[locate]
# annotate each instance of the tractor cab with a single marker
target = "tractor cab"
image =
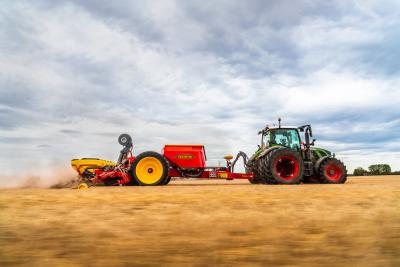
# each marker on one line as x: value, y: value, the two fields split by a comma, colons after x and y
x: 287, y: 137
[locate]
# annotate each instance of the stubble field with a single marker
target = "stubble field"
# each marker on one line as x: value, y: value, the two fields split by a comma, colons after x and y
x: 204, y: 223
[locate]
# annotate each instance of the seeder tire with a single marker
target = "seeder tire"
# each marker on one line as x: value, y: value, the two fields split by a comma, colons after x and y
x: 150, y: 169
x: 125, y: 139
x: 132, y: 182
x: 166, y: 181
x: 332, y: 171
x: 281, y: 166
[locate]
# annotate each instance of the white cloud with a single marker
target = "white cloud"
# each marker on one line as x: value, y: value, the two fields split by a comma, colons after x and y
x: 202, y: 74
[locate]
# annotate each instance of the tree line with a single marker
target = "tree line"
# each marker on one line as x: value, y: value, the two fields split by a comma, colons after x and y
x: 375, y: 169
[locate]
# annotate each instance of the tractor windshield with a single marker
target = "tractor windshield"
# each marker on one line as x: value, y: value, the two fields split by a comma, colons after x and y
x: 283, y: 137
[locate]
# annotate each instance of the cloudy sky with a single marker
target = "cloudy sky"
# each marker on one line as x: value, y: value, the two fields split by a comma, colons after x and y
x: 76, y: 74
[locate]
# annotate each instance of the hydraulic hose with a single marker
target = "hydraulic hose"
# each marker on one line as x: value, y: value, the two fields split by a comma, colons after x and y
x: 245, y: 159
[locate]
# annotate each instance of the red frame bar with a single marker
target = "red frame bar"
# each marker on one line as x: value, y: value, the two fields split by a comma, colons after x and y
x: 214, y: 173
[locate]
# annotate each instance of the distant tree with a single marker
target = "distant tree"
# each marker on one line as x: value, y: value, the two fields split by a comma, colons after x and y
x: 360, y: 172
x: 386, y: 169
x: 379, y: 169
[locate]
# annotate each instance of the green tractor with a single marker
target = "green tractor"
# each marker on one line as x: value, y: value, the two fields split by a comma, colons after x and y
x: 282, y: 158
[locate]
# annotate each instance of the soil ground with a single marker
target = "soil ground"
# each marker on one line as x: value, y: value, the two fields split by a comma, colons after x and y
x: 198, y: 223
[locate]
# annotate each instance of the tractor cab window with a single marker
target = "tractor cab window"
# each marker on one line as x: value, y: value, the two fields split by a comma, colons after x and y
x: 284, y: 137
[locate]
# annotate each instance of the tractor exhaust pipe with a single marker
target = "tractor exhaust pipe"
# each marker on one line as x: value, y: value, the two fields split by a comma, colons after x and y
x: 307, y: 133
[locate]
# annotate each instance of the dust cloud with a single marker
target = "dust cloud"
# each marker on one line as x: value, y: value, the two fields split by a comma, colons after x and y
x: 53, y: 177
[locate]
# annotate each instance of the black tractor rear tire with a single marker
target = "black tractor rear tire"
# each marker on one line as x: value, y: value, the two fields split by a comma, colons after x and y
x: 332, y: 171
x: 281, y: 166
x: 257, y: 179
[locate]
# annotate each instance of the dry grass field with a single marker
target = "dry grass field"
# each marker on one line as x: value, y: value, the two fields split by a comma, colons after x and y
x: 204, y: 223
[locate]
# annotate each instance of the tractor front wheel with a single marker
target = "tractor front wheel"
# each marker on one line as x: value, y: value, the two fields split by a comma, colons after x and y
x: 281, y: 166
x: 332, y: 171
x: 149, y: 169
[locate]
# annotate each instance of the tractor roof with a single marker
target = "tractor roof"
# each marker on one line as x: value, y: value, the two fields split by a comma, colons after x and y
x: 283, y: 127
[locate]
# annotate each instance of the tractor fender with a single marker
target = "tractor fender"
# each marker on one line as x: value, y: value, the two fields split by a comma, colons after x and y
x: 319, y: 162
x: 262, y: 154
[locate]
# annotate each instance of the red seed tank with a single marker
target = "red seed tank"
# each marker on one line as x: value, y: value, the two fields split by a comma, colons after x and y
x: 186, y: 156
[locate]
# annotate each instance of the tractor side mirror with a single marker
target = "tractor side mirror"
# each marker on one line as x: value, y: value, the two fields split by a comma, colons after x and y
x: 313, y: 142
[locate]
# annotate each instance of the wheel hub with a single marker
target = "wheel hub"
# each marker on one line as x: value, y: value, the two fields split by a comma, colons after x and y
x: 286, y: 167
x: 333, y: 172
